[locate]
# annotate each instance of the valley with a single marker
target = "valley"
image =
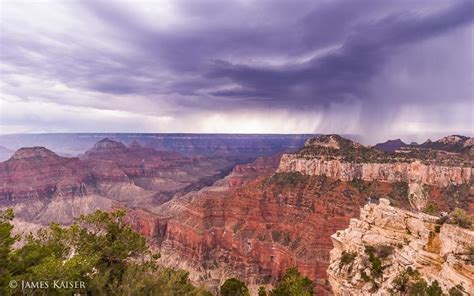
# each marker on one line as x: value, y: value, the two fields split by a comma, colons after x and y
x: 248, y: 207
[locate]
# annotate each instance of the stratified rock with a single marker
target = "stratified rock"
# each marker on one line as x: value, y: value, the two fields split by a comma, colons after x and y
x: 339, y: 158
x: 257, y: 225
x: 42, y: 186
x: 403, y: 241
x: 428, y: 173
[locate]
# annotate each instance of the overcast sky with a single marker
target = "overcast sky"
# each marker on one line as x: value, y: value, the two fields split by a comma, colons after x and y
x: 381, y: 69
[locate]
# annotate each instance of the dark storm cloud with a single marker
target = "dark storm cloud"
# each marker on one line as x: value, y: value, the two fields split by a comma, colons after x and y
x: 345, y: 73
x: 205, y: 56
x: 222, y: 51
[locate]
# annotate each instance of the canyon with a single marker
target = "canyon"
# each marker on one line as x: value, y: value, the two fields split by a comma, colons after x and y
x: 240, y: 147
x: 250, y: 212
x: 42, y: 186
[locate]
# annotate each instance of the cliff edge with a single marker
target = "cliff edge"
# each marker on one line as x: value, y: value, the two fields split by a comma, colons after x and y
x: 390, y: 251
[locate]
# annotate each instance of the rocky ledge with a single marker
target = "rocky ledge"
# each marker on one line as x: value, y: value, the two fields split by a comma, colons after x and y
x: 336, y: 157
x: 388, y: 250
x: 410, y: 172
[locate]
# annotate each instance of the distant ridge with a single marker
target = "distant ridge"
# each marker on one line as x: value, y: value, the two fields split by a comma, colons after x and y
x: 391, y: 145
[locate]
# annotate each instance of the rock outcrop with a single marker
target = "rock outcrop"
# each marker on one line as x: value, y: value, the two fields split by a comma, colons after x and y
x: 339, y: 158
x: 425, y: 171
x: 410, y: 172
x: 37, y: 172
x: 391, y: 145
x: 386, y: 248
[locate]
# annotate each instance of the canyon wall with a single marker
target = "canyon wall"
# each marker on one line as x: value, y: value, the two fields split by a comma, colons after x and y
x: 408, y: 245
x: 426, y: 172
x: 410, y: 172
x: 42, y: 186
x: 255, y: 224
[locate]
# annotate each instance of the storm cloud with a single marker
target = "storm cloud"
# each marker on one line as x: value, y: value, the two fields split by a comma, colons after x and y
x: 380, y: 69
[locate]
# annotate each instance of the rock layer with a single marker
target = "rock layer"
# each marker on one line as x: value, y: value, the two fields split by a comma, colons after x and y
x: 42, y: 186
x: 410, y: 240
x: 411, y: 172
x: 256, y: 224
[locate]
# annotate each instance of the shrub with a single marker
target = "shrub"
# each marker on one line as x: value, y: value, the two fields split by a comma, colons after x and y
x: 234, y: 287
x: 262, y: 291
x: 401, y: 282
x: 347, y: 258
x: 470, y: 255
x: 364, y: 276
x: 457, y: 290
x: 287, y: 179
x: 418, y: 288
x: 431, y: 209
x: 461, y: 218
x: 404, y: 282
x: 293, y: 284
x: 376, y: 269
x: 434, y: 289
x: 276, y: 235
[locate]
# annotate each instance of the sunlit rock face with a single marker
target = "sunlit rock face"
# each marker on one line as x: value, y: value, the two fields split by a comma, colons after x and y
x: 339, y: 158
x: 37, y: 172
x: 412, y: 172
x: 425, y: 168
x: 409, y: 240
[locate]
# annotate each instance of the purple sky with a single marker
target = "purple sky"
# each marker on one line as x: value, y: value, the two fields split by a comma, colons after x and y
x: 382, y: 69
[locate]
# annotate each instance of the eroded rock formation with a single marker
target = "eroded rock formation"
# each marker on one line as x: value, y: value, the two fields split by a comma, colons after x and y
x: 42, y: 186
x: 423, y: 170
x: 407, y: 245
x: 255, y: 224
x: 411, y: 172
x: 339, y: 158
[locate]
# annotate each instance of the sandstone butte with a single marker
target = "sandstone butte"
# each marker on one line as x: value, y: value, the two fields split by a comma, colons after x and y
x: 413, y: 240
x: 256, y: 222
